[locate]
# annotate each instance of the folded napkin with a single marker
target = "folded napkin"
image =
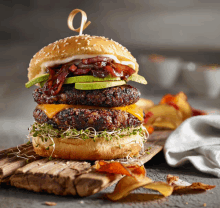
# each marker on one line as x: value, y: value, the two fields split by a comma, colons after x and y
x: 196, y: 140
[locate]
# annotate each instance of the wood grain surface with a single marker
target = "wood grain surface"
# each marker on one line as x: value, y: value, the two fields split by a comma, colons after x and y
x: 22, y: 168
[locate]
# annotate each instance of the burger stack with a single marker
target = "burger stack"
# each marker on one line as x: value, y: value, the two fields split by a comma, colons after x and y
x: 85, y: 108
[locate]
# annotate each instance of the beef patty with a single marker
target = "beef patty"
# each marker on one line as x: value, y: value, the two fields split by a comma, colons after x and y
x: 99, y: 119
x: 108, y: 97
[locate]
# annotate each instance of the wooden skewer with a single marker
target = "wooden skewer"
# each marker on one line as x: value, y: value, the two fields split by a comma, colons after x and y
x: 84, y: 23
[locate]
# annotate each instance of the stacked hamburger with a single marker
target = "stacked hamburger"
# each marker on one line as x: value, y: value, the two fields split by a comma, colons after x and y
x: 86, y: 110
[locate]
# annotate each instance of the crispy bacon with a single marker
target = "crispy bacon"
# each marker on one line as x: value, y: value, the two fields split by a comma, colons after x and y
x: 113, y: 72
x: 97, y: 66
x: 72, y: 68
x: 56, y: 80
x: 128, y: 71
x: 96, y: 59
x: 147, y: 116
x: 81, y: 71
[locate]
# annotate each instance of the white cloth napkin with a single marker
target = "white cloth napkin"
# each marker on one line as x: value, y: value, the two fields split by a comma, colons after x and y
x: 196, y: 140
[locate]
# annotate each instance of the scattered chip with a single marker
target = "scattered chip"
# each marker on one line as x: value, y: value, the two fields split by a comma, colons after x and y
x: 139, y: 172
x: 112, y: 167
x: 126, y: 185
x: 183, y: 187
x: 149, y: 128
x: 179, y: 101
x: 196, y: 112
x: 50, y: 203
x: 145, y: 104
x: 171, y: 111
x: 161, y: 114
x: 162, y: 187
x: 136, y: 171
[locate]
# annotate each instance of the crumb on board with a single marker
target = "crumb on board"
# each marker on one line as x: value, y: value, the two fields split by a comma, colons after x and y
x: 50, y: 203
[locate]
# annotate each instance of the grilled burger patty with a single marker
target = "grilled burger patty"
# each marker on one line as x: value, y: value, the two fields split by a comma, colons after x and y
x: 108, y: 97
x: 100, y: 119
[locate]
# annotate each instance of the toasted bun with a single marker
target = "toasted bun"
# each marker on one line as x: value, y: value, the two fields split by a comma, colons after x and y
x: 77, y: 45
x: 78, y: 149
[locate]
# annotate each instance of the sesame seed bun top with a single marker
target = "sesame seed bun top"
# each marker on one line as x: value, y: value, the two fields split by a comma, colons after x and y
x: 77, y: 45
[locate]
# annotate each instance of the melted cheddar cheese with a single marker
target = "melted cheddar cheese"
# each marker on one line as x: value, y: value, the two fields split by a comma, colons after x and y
x: 52, y: 109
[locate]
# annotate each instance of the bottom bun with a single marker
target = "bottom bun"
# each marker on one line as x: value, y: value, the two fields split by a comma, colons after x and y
x: 79, y: 149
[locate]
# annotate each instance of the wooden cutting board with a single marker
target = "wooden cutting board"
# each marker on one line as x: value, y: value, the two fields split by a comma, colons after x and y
x: 22, y: 168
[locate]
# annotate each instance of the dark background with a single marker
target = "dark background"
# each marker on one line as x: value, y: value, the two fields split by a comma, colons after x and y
x: 189, y: 29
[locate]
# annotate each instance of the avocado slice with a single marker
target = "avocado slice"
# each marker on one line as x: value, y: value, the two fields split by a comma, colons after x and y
x: 137, y: 78
x: 89, y: 78
x: 84, y: 79
x: 36, y: 80
x: 98, y: 85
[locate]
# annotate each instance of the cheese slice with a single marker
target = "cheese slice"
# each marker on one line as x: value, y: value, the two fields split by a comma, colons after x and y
x: 52, y: 109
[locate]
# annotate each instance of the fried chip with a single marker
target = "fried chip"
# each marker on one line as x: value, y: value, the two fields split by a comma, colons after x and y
x: 145, y: 104
x: 183, y: 187
x: 112, y: 167
x: 126, y: 185
x: 50, y: 203
x: 163, y: 113
x: 167, y: 99
x: 164, y: 123
x: 179, y: 102
x: 193, y: 187
x: 197, y: 112
x: 149, y: 128
x: 183, y: 105
x: 139, y: 172
x: 162, y: 187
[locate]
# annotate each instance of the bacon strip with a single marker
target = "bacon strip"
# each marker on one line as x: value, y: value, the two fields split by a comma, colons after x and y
x: 97, y: 66
x: 96, y: 59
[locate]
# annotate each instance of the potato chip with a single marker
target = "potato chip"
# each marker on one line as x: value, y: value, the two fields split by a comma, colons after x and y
x: 197, y: 112
x: 164, y: 123
x: 149, y: 128
x: 179, y: 102
x: 183, y: 104
x: 144, y: 104
x: 139, y: 172
x: 183, y: 187
x: 167, y: 98
x: 165, y: 112
x: 192, y: 188
x: 126, y: 185
x: 112, y: 167
x: 162, y: 187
